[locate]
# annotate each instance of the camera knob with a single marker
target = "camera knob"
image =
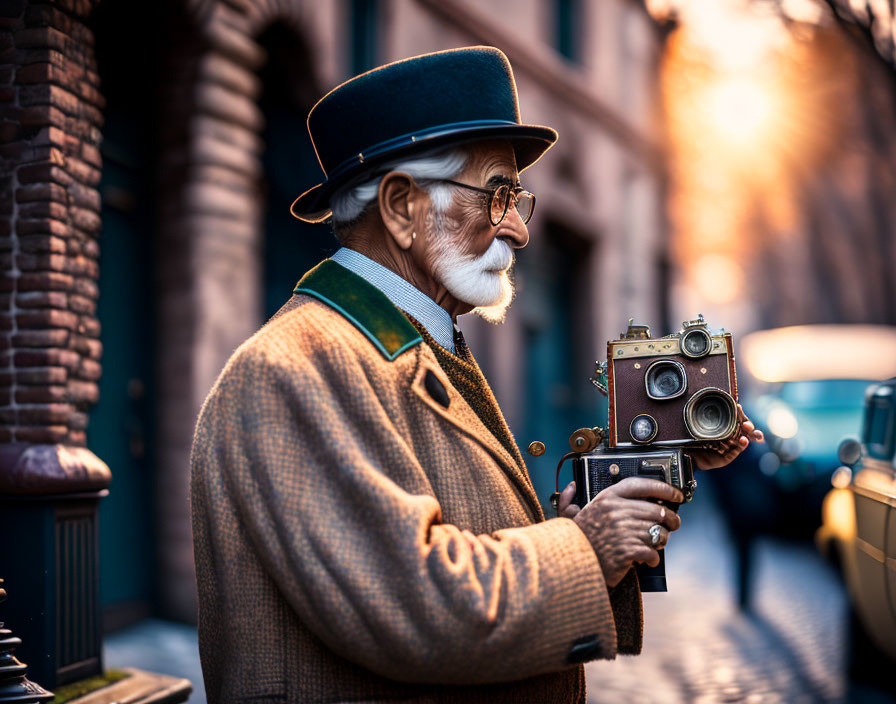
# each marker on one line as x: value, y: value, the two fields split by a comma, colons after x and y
x: 584, y: 440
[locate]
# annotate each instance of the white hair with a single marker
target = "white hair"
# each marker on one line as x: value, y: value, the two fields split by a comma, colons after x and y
x: 349, y: 202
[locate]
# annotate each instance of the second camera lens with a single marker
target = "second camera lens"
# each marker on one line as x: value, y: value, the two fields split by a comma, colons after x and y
x: 665, y: 379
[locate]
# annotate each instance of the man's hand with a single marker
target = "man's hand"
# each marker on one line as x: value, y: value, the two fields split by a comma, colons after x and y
x: 728, y: 450
x: 617, y: 522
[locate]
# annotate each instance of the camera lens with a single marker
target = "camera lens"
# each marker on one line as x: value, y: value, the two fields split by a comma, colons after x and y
x: 665, y: 379
x: 695, y: 343
x: 643, y: 428
x: 710, y: 414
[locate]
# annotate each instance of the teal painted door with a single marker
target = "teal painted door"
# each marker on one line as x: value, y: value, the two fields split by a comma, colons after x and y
x: 559, y: 397
x: 120, y: 428
x: 291, y: 246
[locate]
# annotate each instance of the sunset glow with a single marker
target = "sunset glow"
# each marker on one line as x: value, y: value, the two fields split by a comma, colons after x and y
x: 741, y: 109
x: 746, y: 95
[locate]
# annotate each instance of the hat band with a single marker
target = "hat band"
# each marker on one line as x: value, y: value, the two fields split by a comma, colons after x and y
x: 412, y: 138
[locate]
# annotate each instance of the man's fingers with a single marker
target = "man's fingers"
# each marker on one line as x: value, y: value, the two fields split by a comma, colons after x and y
x: 566, y: 496
x: 641, y: 487
x: 565, y: 507
x: 649, y: 511
x: 749, y: 427
x: 648, y: 556
x: 570, y: 511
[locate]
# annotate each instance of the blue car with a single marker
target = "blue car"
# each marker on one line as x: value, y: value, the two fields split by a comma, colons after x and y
x: 793, y: 388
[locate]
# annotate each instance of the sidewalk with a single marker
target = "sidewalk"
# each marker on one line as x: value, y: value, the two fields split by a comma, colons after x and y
x: 158, y: 646
x: 699, y: 648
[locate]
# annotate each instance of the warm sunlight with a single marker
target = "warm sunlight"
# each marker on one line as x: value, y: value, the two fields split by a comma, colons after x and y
x: 748, y: 99
x: 740, y: 109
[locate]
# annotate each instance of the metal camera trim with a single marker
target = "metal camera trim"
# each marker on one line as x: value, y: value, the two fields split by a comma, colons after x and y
x: 684, y: 377
x: 656, y: 428
x: 689, y: 410
x: 671, y: 461
x: 695, y: 331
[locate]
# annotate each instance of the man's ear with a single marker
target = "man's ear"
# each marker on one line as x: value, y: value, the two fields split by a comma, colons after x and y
x: 399, y: 200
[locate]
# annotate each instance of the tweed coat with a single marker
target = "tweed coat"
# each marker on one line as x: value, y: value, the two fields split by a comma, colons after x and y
x: 361, y: 537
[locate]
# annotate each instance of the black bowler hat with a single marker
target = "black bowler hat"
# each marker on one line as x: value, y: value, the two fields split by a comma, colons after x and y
x: 415, y: 105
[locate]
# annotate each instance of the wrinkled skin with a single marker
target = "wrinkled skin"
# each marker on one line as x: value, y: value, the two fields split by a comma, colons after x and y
x: 617, y: 522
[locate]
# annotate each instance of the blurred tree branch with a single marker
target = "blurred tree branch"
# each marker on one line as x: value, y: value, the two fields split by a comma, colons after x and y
x: 861, y: 26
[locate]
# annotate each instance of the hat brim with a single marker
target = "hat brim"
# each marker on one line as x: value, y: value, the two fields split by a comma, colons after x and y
x: 529, y: 143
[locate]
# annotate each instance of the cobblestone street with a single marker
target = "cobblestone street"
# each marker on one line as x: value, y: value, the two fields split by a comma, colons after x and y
x: 697, y: 646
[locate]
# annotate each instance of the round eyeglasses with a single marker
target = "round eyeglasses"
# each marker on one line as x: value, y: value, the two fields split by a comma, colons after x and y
x: 500, y: 199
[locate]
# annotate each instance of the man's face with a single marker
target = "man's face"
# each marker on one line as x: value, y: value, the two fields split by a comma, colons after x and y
x: 468, y: 255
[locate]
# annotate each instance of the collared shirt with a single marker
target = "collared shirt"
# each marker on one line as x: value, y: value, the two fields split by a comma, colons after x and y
x: 405, y: 296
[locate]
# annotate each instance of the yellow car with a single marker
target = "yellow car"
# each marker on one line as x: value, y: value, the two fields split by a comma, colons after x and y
x: 859, y: 523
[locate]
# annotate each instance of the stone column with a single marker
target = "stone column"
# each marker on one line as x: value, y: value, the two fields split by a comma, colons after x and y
x: 211, y: 238
x: 209, y: 287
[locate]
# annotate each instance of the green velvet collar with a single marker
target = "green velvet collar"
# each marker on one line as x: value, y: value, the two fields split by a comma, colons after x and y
x: 363, y: 304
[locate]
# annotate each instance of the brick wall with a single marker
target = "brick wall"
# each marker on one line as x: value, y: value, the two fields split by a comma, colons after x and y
x: 50, y: 164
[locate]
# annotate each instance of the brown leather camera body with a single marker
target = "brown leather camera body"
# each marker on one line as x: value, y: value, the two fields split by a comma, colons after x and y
x: 678, y: 390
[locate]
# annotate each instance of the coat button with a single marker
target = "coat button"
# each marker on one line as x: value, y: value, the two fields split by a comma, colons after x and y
x: 436, y: 389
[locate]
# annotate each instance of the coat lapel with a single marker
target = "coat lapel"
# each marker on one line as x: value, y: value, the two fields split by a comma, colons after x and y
x: 459, y: 413
x: 368, y: 308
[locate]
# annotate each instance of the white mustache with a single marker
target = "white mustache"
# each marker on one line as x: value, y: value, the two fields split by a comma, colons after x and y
x: 498, y: 257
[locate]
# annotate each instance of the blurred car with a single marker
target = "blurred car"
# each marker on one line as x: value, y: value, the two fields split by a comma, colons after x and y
x: 859, y: 529
x: 804, y: 387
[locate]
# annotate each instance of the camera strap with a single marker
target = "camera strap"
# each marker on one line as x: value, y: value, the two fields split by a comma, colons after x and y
x: 555, y: 497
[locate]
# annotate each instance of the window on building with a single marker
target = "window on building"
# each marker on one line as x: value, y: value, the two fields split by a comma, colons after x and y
x: 567, y: 17
x: 364, y: 15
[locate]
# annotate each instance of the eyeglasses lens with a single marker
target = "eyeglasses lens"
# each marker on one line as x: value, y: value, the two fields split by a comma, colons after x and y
x: 499, y: 204
x: 525, y: 205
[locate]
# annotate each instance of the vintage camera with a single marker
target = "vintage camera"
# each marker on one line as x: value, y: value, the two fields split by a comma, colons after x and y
x: 679, y: 390
x: 666, y: 395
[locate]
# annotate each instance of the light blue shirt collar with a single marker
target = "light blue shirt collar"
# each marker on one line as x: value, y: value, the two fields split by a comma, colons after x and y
x: 408, y: 298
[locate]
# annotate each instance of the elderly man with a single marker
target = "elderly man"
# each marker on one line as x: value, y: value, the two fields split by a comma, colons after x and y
x: 365, y: 527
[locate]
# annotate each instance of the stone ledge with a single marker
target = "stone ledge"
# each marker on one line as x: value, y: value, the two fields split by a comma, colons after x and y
x: 27, y: 469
